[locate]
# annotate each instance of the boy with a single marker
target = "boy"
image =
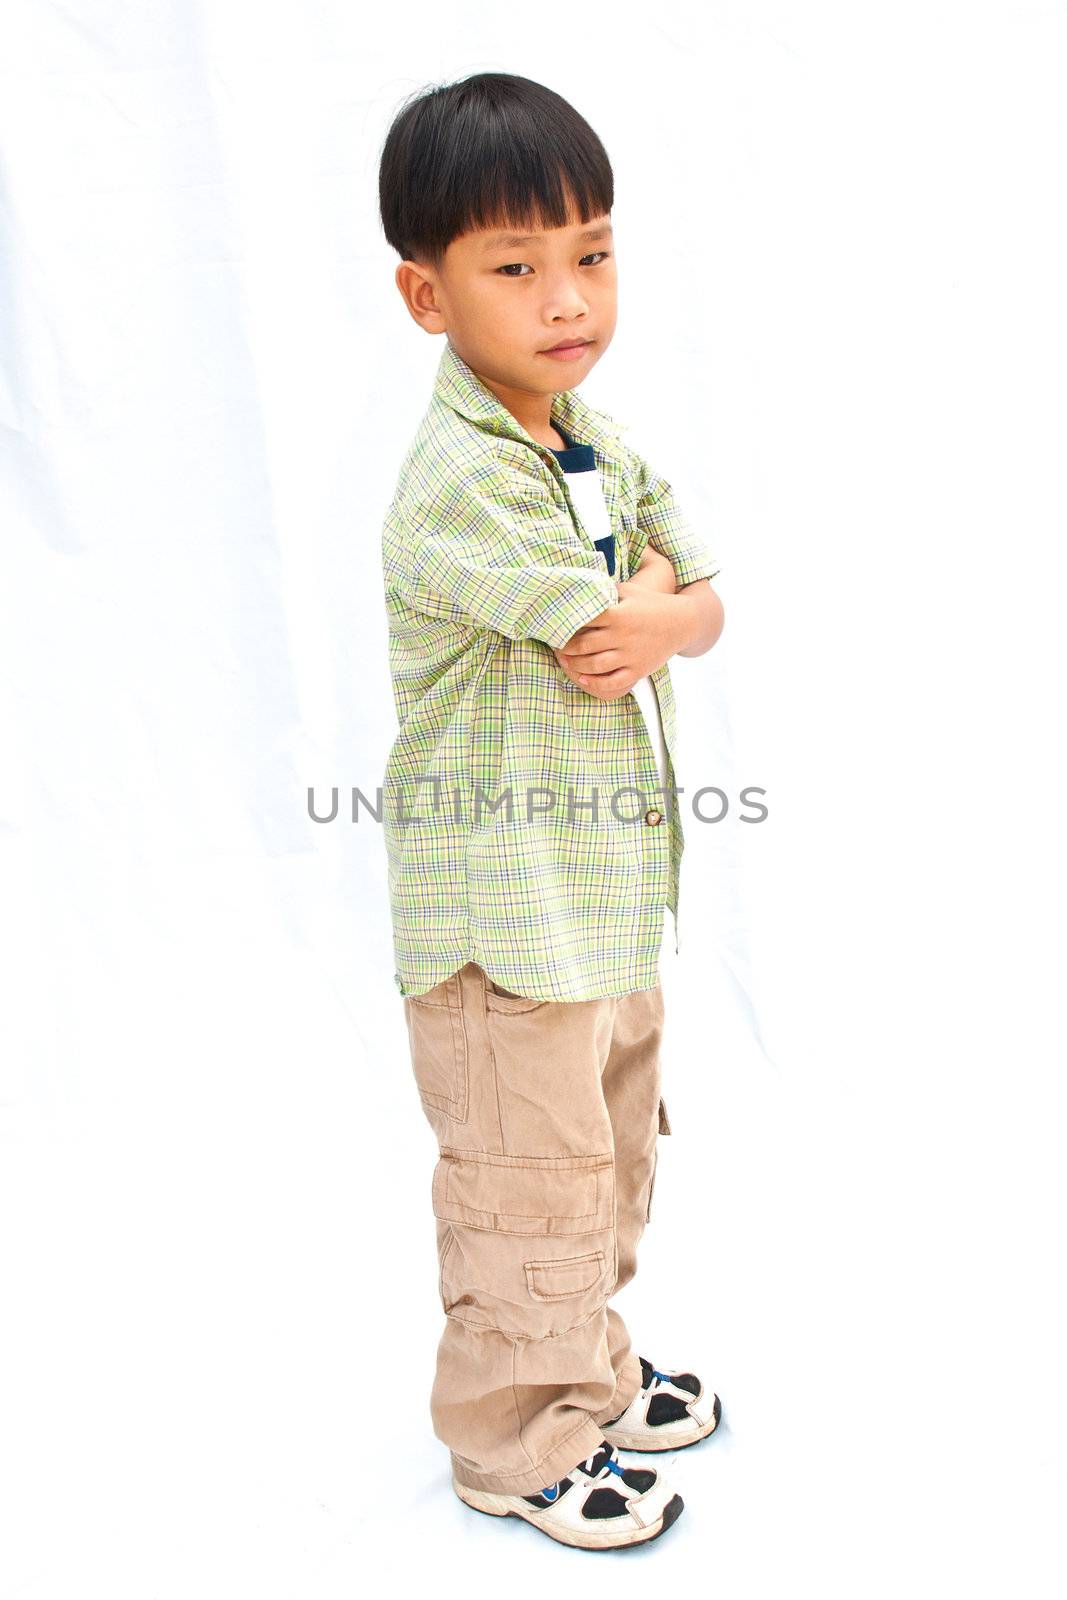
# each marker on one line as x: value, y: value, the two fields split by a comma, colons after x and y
x: 538, y: 577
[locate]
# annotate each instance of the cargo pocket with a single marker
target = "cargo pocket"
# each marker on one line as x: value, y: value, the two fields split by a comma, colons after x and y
x: 439, y: 1047
x: 499, y: 1206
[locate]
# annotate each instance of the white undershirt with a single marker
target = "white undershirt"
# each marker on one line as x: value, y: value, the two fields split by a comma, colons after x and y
x: 588, y: 495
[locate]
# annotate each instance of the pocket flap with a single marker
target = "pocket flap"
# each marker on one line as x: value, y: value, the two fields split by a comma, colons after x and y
x: 525, y: 1194
x: 556, y: 1280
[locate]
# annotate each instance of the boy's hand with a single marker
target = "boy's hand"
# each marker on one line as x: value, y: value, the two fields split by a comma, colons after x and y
x: 646, y: 628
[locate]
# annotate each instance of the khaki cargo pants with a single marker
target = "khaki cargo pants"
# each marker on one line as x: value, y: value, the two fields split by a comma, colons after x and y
x: 546, y: 1114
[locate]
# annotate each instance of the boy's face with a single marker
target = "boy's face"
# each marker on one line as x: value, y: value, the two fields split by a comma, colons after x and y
x: 505, y: 300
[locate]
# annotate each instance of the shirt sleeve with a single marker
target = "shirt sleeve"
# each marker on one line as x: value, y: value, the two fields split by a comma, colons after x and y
x: 506, y: 557
x: 662, y: 523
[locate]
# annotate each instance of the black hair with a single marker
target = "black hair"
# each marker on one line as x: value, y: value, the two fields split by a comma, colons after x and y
x: 491, y: 150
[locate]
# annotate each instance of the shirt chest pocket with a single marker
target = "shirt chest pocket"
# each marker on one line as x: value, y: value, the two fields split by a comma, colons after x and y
x: 626, y: 555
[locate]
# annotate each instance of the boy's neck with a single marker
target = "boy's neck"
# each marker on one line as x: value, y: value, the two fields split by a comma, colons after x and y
x: 532, y: 411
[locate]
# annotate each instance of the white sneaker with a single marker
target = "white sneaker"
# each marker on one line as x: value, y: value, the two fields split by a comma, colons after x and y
x: 599, y: 1505
x: 669, y: 1411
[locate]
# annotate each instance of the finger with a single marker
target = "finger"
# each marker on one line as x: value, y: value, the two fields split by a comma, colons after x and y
x: 597, y: 666
x: 608, y: 655
x: 618, y: 679
x: 587, y: 634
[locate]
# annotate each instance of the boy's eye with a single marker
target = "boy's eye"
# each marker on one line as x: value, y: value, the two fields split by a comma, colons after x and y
x: 507, y: 270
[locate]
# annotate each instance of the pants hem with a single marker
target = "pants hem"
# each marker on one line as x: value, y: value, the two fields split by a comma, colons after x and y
x: 574, y: 1447
x: 624, y: 1387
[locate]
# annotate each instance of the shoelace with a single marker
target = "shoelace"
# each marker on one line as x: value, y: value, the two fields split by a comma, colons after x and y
x: 610, y: 1465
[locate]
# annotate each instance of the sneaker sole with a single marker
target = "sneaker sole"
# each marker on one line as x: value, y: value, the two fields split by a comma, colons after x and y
x: 640, y: 1441
x: 495, y: 1505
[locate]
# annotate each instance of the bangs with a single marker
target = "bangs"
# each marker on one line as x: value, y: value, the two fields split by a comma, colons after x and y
x: 494, y: 151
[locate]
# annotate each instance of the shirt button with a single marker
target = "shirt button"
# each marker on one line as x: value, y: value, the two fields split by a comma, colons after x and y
x: 653, y: 816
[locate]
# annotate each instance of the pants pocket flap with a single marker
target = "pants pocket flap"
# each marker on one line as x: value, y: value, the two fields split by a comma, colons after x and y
x: 571, y: 1275
x: 528, y: 1195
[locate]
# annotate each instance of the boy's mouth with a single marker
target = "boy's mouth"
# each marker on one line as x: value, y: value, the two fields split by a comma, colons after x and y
x: 568, y: 347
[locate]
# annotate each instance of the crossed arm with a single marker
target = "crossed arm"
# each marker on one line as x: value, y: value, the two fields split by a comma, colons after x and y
x: 497, y: 554
x: 653, y: 621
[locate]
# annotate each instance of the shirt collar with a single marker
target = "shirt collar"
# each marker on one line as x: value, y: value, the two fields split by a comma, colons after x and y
x: 458, y: 386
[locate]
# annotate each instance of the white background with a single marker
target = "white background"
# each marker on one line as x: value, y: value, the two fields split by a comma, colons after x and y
x: 841, y: 251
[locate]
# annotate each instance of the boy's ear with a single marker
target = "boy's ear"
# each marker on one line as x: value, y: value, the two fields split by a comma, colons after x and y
x: 417, y: 286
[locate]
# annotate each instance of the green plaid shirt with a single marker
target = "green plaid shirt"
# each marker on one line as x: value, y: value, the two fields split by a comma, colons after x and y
x: 524, y: 821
